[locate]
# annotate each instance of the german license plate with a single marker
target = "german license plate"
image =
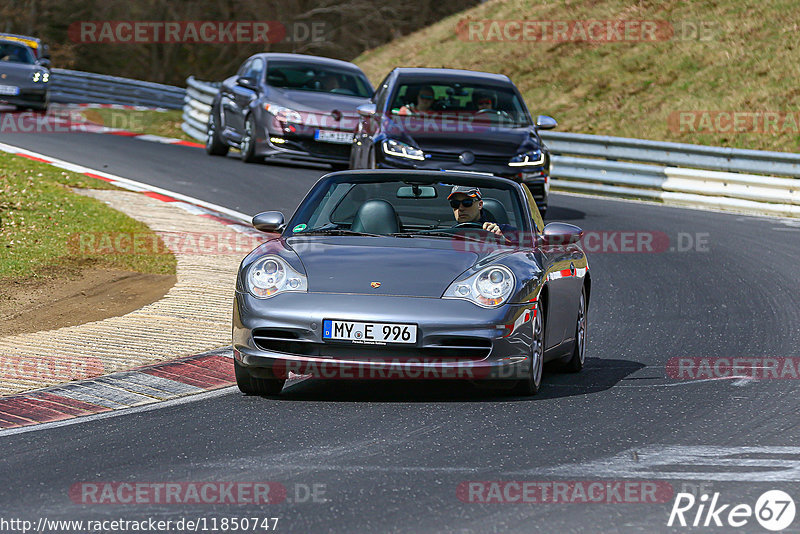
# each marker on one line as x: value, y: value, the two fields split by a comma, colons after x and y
x: 329, y: 136
x: 11, y: 90
x: 375, y: 333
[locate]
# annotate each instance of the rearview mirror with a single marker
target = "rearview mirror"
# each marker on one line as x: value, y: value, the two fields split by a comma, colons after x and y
x: 558, y: 233
x: 416, y: 191
x: 268, y: 221
x: 543, y: 122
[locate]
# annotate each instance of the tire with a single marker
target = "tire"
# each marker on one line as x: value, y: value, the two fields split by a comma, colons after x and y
x: 574, y: 363
x: 248, y: 146
x: 531, y: 385
x: 250, y: 385
x: 215, y: 145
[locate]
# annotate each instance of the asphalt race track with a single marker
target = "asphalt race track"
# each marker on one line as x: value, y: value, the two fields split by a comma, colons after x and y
x: 390, y: 456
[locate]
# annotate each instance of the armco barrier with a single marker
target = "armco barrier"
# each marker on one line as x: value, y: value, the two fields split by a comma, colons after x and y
x: 72, y: 86
x: 751, y: 181
x: 197, y: 106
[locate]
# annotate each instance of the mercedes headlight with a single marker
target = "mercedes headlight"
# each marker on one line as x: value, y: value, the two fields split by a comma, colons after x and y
x: 532, y: 158
x: 270, y: 275
x: 488, y: 288
x: 284, y: 114
x: 393, y: 147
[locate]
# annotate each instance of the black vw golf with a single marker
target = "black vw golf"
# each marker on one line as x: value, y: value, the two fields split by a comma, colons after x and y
x: 446, y: 119
x: 288, y: 105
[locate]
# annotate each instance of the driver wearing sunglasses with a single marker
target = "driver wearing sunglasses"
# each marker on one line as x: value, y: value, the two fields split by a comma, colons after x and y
x: 468, y: 208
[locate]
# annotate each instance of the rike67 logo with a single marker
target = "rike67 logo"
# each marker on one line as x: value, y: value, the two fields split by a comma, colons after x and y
x: 774, y: 510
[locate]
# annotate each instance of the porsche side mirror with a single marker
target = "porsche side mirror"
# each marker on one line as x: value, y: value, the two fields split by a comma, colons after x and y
x: 558, y: 233
x: 367, y: 110
x: 268, y: 221
x: 543, y: 122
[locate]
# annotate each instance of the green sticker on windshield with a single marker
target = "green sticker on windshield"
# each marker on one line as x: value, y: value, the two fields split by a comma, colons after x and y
x: 299, y: 228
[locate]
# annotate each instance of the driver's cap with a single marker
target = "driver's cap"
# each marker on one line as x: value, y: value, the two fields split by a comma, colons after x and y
x: 466, y: 190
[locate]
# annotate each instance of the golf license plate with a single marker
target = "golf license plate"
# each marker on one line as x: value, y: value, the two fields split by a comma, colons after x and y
x: 11, y: 90
x: 377, y: 333
x: 330, y: 136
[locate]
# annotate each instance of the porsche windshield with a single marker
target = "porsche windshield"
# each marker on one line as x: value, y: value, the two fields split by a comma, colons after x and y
x: 397, y: 207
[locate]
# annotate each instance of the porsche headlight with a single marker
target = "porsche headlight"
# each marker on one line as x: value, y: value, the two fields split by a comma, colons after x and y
x: 284, y: 114
x: 532, y: 158
x: 488, y: 288
x: 270, y: 275
x: 393, y: 147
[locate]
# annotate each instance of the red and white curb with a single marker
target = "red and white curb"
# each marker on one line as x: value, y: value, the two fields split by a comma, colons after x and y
x: 146, y: 385
x: 118, y: 391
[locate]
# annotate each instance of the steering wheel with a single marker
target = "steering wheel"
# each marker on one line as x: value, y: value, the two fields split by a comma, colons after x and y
x: 469, y: 225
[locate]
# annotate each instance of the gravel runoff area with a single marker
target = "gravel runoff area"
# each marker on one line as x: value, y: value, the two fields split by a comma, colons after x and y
x: 193, y: 317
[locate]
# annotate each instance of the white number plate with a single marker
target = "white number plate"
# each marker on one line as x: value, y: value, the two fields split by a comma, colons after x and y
x: 369, y: 332
x: 329, y: 136
x: 9, y: 90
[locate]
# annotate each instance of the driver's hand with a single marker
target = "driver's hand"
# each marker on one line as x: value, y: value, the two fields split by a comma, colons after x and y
x: 492, y: 227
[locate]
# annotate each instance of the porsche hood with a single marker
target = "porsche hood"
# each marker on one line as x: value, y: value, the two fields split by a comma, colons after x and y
x: 379, y: 266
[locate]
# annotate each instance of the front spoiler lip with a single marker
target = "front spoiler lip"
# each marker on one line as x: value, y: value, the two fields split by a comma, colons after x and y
x: 286, y: 365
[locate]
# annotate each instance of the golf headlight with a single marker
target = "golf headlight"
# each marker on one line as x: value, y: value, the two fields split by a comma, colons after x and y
x: 488, y: 288
x: 283, y: 114
x: 533, y: 158
x: 392, y: 147
x: 270, y: 275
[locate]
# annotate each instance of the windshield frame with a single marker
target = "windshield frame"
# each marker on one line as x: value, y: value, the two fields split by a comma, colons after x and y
x: 326, y: 184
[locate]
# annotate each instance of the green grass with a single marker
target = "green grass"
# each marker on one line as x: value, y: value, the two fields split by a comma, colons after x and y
x: 164, y: 123
x: 40, y: 215
x: 747, y: 63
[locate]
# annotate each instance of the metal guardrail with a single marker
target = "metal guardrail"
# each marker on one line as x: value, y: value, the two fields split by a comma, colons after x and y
x: 753, y: 181
x: 197, y: 105
x: 76, y: 87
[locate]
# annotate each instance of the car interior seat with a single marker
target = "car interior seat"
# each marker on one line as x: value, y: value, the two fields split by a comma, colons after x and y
x: 376, y: 217
x: 495, y: 211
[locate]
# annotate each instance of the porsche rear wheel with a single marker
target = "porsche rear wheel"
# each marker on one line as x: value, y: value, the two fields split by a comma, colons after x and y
x: 531, y: 384
x: 250, y: 385
x: 575, y: 362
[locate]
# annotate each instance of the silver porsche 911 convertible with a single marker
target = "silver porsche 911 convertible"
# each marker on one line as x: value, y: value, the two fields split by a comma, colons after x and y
x: 393, y: 274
